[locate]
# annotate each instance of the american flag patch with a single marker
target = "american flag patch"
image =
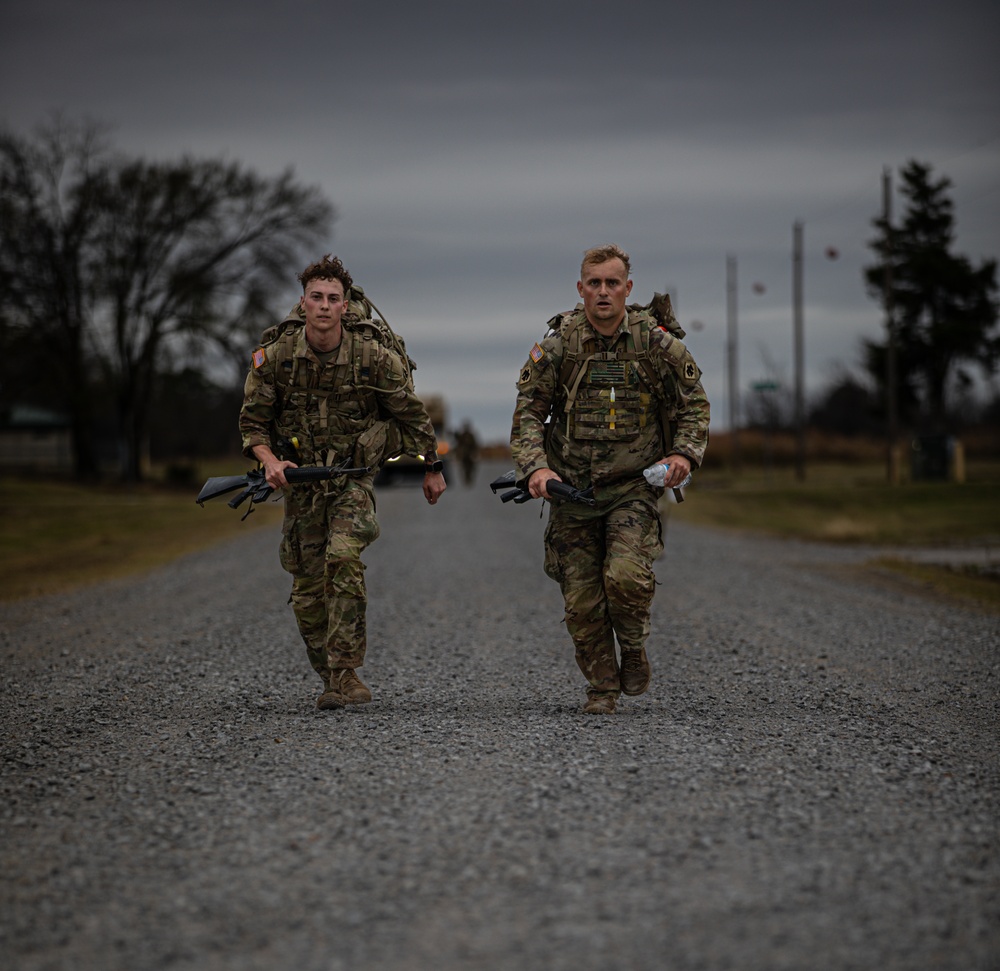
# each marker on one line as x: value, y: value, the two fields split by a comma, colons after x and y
x: 259, y: 357
x: 536, y: 353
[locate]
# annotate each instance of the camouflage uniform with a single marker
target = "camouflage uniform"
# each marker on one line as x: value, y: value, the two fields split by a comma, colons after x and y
x: 335, y: 413
x: 605, y: 428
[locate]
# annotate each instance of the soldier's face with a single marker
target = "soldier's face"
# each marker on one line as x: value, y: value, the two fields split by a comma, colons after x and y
x: 604, y: 288
x: 323, y: 303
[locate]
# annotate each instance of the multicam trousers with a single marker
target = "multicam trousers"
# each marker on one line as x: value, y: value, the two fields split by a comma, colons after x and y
x: 602, y: 558
x: 326, y: 529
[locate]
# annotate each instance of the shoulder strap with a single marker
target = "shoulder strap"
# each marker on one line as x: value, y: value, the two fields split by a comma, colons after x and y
x: 283, y: 349
x: 569, y: 326
x: 640, y: 341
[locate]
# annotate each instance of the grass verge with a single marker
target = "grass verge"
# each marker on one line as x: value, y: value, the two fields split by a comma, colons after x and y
x: 57, y: 536
x: 852, y: 503
x: 965, y: 583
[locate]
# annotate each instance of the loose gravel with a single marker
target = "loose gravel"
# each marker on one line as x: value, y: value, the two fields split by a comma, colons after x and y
x: 812, y: 779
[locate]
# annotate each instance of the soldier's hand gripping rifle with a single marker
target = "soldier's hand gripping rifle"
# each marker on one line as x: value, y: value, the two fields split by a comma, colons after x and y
x: 253, y: 484
x: 654, y: 475
x: 555, y: 488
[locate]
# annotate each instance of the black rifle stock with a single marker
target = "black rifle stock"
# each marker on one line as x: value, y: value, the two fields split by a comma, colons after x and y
x: 253, y: 484
x: 556, y: 489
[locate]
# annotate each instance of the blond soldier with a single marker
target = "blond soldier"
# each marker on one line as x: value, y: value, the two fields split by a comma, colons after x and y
x: 334, y: 394
x: 607, y: 393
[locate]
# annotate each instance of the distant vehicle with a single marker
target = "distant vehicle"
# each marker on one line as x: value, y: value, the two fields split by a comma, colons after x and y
x: 408, y: 468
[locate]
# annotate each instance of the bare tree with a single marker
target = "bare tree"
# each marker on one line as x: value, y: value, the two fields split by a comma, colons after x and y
x: 48, y: 214
x: 184, y: 249
x: 114, y: 271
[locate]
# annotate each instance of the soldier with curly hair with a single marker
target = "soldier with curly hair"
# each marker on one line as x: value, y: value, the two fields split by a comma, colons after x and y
x: 328, y: 389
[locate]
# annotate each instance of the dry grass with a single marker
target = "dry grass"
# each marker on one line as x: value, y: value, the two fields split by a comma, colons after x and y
x: 852, y: 503
x: 57, y: 536
x: 950, y: 583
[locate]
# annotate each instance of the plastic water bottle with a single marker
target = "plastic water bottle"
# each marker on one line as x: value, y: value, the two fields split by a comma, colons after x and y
x: 656, y: 476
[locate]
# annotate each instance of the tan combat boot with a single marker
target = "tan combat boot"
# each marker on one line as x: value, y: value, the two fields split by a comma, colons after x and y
x: 634, y: 677
x: 599, y: 704
x: 347, y: 688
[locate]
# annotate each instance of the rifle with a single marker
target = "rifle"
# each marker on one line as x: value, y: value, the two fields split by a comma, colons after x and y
x: 254, y: 485
x: 561, y: 490
x: 556, y: 489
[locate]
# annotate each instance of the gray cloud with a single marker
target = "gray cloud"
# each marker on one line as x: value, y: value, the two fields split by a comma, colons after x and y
x: 473, y: 151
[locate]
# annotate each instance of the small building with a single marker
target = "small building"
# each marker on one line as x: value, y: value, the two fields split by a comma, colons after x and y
x: 35, y: 438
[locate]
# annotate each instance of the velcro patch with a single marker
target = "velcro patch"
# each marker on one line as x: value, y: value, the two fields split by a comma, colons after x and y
x: 259, y: 357
x: 536, y: 353
x: 690, y: 371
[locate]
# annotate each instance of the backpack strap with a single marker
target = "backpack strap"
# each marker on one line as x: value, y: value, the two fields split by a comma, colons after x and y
x: 363, y: 349
x: 570, y: 329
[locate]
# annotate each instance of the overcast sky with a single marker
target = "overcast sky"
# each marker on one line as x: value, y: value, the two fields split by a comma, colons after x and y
x: 473, y: 150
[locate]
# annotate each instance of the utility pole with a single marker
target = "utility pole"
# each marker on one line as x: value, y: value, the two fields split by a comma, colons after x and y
x: 731, y: 360
x: 799, y: 340
x: 891, y: 366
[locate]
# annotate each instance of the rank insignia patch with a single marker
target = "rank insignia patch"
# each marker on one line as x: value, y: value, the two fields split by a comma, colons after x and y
x: 259, y: 357
x: 536, y: 353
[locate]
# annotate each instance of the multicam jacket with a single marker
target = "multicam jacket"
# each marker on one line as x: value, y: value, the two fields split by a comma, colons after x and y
x: 628, y: 401
x: 358, y: 408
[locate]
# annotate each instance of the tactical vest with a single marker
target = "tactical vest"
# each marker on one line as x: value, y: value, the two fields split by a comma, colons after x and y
x: 613, y: 395
x: 307, y: 429
x: 359, y: 311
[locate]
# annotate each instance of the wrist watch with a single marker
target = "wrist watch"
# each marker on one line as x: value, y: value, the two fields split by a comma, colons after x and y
x: 436, y: 466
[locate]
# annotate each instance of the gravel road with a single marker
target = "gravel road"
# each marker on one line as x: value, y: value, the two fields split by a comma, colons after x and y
x: 811, y: 781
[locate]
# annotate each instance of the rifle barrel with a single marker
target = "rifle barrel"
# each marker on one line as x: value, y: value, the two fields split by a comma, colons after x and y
x: 315, y: 473
x: 563, y: 490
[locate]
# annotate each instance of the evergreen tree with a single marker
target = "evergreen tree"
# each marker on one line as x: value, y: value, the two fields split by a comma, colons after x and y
x: 945, y: 309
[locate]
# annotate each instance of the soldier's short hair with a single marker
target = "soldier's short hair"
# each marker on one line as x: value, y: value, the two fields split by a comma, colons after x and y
x: 328, y: 268
x: 601, y: 254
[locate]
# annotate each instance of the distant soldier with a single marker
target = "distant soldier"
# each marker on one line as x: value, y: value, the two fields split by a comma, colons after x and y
x: 467, y: 452
x: 334, y: 393
x: 608, y: 392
